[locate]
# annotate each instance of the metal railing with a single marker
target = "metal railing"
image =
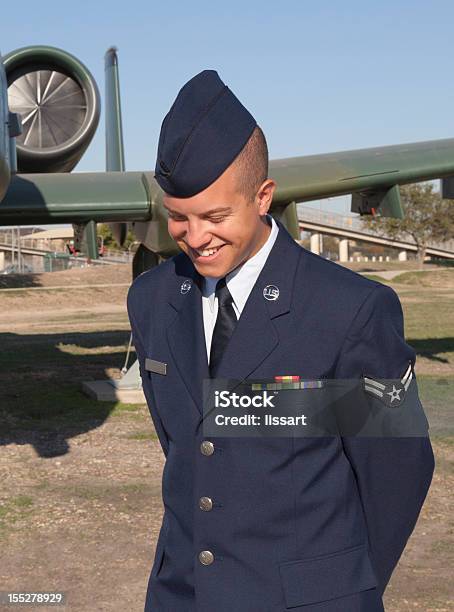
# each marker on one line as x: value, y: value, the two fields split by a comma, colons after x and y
x: 9, y: 238
x: 337, y: 220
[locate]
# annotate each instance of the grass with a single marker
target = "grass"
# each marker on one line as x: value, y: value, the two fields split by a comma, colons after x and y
x: 432, y: 318
x: 44, y: 407
x: 443, y: 546
x: 42, y: 388
x: 124, y: 496
x: 14, y: 509
x: 102, y: 492
x: 122, y: 408
x: 429, y: 323
x: 376, y: 278
x: 143, y: 435
x: 427, y: 278
x: 437, y: 394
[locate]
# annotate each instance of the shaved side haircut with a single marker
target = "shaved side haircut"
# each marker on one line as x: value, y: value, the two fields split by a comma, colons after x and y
x: 252, y: 164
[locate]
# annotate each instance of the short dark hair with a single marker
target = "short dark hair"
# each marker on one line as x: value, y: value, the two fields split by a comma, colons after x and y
x: 252, y: 164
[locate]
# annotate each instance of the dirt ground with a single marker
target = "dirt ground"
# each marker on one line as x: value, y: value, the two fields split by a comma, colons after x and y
x: 80, y: 501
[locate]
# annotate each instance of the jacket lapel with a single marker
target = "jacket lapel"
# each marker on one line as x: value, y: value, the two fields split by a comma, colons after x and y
x: 185, y: 334
x: 255, y: 335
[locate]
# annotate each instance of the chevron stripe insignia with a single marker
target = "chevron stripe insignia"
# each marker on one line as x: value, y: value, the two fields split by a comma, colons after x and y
x: 390, y: 392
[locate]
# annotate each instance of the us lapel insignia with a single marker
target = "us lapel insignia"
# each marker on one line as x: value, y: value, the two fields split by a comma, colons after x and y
x: 271, y: 293
x: 390, y: 392
x: 185, y: 287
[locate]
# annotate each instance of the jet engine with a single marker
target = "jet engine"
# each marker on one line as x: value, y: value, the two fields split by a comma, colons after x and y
x: 58, y: 101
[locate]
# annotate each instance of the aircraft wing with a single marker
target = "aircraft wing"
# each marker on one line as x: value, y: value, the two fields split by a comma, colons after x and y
x: 368, y: 173
x: 123, y: 196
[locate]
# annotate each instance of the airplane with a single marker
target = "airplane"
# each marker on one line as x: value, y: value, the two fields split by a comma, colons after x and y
x: 49, y: 110
x: 49, y: 113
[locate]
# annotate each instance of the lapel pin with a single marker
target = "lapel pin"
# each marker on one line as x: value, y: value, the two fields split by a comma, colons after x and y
x: 185, y: 287
x: 271, y: 293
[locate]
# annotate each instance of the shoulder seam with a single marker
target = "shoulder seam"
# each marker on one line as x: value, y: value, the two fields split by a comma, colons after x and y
x: 373, y: 291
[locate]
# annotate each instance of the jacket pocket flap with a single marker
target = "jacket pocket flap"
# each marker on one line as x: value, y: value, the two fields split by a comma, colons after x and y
x: 308, y: 581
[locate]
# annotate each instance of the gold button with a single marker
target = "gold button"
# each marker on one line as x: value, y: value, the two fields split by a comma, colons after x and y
x: 206, y: 504
x: 207, y: 448
x: 206, y: 557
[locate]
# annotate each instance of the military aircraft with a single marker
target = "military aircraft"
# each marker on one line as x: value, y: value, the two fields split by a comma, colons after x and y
x: 49, y: 112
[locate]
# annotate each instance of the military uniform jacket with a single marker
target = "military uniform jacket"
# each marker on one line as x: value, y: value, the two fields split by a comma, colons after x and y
x: 302, y: 524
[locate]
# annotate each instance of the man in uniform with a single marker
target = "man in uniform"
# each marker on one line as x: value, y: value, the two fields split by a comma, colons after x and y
x: 315, y: 524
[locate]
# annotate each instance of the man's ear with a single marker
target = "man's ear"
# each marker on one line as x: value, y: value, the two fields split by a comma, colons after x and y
x: 265, y: 195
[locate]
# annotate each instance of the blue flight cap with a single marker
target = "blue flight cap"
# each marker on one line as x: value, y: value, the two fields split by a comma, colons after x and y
x: 201, y: 135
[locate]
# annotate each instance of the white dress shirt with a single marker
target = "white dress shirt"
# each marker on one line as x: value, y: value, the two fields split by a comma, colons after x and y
x: 239, y: 282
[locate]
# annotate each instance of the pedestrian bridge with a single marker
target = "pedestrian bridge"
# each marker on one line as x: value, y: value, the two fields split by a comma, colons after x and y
x: 349, y: 228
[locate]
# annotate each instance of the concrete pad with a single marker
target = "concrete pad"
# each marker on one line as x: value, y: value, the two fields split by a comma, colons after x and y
x: 104, y: 391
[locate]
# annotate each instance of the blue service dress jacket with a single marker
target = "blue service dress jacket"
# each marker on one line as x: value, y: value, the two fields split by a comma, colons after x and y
x: 303, y: 524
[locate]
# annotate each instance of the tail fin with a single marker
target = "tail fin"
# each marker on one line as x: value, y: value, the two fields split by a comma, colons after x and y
x: 115, y: 159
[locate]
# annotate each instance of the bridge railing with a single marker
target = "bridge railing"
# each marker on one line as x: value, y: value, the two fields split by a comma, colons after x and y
x: 345, y: 222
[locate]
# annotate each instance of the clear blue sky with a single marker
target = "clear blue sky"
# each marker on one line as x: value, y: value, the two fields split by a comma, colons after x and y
x: 318, y: 76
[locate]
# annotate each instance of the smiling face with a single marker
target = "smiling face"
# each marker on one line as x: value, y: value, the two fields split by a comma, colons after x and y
x: 218, y: 228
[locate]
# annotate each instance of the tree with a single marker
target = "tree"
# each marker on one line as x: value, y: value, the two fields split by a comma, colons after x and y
x: 105, y: 232
x: 427, y: 218
x: 444, y: 224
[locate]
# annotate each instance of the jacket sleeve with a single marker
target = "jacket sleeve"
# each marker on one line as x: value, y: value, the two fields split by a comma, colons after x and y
x: 393, y: 474
x: 134, y: 318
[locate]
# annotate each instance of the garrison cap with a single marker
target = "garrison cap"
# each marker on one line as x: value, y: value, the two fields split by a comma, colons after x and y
x: 201, y: 135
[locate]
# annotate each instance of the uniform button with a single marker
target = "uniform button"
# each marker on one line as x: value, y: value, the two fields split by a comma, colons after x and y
x: 206, y: 504
x: 206, y: 557
x: 207, y: 448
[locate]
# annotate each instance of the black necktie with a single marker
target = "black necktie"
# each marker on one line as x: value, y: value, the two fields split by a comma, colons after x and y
x: 225, y: 324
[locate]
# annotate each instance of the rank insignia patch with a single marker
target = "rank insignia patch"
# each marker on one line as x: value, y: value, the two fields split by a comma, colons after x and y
x: 390, y: 392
